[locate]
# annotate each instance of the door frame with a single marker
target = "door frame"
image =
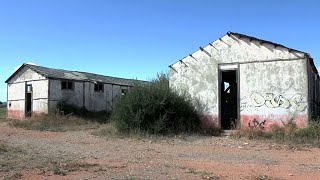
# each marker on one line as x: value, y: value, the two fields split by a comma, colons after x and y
x: 26, y: 101
x: 222, y: 68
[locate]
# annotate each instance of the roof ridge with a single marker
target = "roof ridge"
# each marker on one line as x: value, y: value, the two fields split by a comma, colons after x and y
x: 266, y: 41
x: 49, y: 72
x: 80, y: 72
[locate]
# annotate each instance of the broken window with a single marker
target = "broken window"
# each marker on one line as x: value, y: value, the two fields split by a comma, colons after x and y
x: 67, y: 85
x: 98, y: 87
x: 227, y: 87
x: 124, y: 92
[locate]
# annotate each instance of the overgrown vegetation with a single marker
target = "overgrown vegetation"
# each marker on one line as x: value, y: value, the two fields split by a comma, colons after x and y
x: 52, y: 122
x: 63, y: 118
x: 64, y: 109
x: 154, y: 108
x: 287, y: 133
x: 3, y: 113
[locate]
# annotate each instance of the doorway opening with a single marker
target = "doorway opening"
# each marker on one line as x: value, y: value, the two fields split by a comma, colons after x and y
x: 228, y: 98
x: 29, y: 101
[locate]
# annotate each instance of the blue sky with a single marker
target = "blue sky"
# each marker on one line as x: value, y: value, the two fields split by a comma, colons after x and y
x: 138, y: 38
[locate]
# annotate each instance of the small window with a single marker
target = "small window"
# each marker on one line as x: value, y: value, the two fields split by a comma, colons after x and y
x: 98, y: 87
x: 29, y: 88
x: 124, y: 92
x: 67, y: 85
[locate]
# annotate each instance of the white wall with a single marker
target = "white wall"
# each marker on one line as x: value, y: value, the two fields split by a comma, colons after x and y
x: 274, y: 92
x: 16, y: 102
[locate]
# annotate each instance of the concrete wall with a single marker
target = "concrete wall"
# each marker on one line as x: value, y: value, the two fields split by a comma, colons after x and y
x: 314, y: 90
x: 273, y: 93
x: 74, y: 96
x: 16, y: 102
x: 17, y: 93
x: 83, y: 95
x: 197, y: 74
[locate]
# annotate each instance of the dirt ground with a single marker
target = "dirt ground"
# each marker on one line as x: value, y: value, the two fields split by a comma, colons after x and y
x: 30, y: 154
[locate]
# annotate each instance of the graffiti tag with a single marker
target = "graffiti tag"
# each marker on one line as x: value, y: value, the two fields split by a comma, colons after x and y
x: 256, y: 124
x: 277, y: 100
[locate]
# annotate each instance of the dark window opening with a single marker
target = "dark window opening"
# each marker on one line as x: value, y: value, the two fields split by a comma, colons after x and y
x: 67, y: 85
x: 229, y: 99
x: 98, y: 87
x: 124, y: 92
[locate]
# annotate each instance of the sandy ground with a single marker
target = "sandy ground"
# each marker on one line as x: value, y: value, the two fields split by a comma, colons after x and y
x: 81, y: 155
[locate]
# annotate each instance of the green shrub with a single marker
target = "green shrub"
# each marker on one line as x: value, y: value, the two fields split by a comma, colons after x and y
x: 154, y: 108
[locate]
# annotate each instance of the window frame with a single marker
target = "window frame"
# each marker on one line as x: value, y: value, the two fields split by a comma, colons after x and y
x: 98, y: 87
x: 65, y: 85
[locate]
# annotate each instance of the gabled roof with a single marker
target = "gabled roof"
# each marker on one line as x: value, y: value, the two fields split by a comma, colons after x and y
x: 276, y: 44
x: 263, y: 41
x: 239, y: 35
x: 75, y: 75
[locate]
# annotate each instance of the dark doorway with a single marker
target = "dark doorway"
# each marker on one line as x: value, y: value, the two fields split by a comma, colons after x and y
x: 29, y: 101
x: 228, y: 98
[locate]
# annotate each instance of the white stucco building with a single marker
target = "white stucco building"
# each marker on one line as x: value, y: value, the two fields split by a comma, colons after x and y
x: 239, y: 77
x: 33, y: 90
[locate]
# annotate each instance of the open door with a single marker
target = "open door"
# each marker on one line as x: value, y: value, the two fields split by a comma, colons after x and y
x: 228, y: 98
x: 29, y: 101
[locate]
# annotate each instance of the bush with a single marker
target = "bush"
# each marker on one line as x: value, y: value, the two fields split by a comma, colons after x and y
x: 154, y: 108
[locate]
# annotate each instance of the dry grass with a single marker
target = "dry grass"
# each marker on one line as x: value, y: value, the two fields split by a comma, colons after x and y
x: 9, y: 156
x: 106, y: 130
x: 288, y: 133
x: 14, y: 160
x: 54, y: 123
x: 65, y: 168
x: 3, y: 113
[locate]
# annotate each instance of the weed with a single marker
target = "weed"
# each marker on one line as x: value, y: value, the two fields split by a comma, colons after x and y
x: 65, y: 168
x: 288, y: 133
x: 9, y: 156
x: 58, y: 171
x: 200, y: 172
x: 261, y: 177
x: 14, y: 176
x: 106, y: 130
x: 251, y: 133
x: 54, y: 123
x: 3, y: 113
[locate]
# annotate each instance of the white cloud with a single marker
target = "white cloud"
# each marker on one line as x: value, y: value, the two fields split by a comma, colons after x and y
x: 17, y: 67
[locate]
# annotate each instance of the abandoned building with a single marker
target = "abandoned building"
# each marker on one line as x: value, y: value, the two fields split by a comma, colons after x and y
x: 33, y: 90
x: 239, y: 79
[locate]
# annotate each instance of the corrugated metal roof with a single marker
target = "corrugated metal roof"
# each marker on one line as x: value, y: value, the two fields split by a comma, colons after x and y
x: 77, y: 75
